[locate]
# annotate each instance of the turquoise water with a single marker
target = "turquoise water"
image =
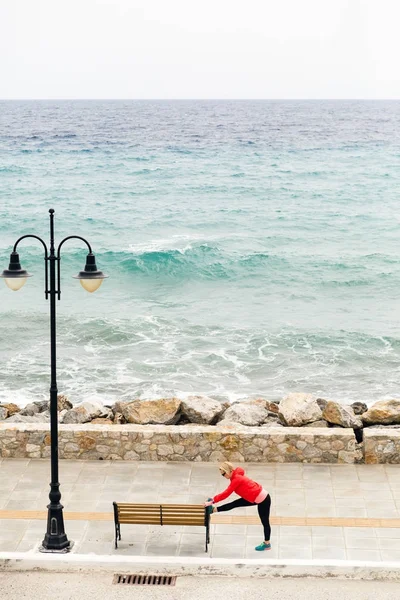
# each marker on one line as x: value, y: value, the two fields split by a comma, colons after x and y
x: 252, y: 248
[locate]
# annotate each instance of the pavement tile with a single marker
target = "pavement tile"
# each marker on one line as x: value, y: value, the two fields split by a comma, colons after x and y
x: 329, y: 552
x: 8, y: 545
x: 320, y: 542
x: 135, y: 549
x: 291, y: 531
x: 350, y: 503
x: 361, y: 542
x: 390, y: 555
x: 389, y: 544
x: 302, y: 553
x: 389, y: 532
x: 359, y: 532
x: 227, y: 551
x: 197, y: 552
x: 327, y: 532
x: 321, y: 511
x: 351, y: 511
x: 363, y: 554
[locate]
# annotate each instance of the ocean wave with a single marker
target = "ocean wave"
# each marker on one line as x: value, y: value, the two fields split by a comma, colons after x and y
x: 148, y: 356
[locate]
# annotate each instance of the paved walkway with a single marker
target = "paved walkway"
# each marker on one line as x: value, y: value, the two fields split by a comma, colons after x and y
x: 321, y: 512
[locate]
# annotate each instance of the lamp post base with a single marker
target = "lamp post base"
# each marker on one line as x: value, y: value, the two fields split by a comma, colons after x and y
x: 65, y: 550
x: 55, y: 538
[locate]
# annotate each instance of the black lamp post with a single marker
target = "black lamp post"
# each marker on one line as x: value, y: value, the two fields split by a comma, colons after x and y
x: 91, y: 279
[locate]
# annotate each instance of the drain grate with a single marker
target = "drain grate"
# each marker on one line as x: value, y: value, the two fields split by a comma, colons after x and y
x: 145, y: 579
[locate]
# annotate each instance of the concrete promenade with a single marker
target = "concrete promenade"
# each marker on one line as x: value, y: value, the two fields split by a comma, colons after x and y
x: 319, y: 512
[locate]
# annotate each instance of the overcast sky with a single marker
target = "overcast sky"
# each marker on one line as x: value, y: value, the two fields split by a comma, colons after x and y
x: 199, y: 49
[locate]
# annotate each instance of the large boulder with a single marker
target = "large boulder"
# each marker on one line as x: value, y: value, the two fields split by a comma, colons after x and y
x: 11, y: 408
x: 250, y: 412
x: 85, y: 412
x: 3, y: 413
x: 384, y: 412
x: 30, y: 410
x: 201, y: 409
x: 164, y: 411
x: 340, y: 414
x: 297, y: 410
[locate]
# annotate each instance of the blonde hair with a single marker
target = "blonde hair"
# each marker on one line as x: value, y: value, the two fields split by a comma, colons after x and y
x: 226, y: 467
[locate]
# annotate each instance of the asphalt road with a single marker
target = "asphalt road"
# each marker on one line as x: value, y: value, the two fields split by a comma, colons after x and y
x: 61, y: 586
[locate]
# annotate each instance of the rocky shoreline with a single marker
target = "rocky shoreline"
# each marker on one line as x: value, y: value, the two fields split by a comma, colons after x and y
x: 295, y: 410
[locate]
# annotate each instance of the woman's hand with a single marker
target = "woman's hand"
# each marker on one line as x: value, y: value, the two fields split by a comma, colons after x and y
x: 208, y: 503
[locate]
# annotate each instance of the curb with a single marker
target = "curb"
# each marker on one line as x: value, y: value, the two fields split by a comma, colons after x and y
x: 173, y: 565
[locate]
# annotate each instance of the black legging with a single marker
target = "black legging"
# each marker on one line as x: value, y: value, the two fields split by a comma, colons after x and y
x: 263, y: 510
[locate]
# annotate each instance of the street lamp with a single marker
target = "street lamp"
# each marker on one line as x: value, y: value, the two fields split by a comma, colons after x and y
x: 91, y: 279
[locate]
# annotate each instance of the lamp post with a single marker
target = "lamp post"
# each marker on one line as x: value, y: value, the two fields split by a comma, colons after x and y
x: 91, y: 279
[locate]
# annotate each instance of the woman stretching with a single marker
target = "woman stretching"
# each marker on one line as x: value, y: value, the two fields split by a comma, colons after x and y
x: 251, y: 493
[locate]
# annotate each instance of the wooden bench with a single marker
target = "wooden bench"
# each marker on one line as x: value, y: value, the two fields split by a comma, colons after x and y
x: 160, y: 514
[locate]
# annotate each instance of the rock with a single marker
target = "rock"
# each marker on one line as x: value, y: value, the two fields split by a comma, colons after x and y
x: 201, y: 409
x: 359, y: 408
x: 273, y: 424
x: 322, y: 403
x: 251, y: 413
x: 340, y: 414
x: 118, y: 419
x: 99, y: 421
x: 85, y: 412
x: 165, y: 411
x: 119, y: 406
x: 232, y: 426
x: 63, y: 403
x: 3, y: 413
x: 320, y: 423
x: 37, y: 418
x: 42, y: 405
x: 384, y: 412
x: 272, y: 407
x: 30, y: 410
x: 297, y: 410
x: 61, y: 415
x: 11, y: 408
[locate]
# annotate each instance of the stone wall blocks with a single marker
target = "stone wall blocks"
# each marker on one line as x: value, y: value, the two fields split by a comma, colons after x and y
x: 131, y: 455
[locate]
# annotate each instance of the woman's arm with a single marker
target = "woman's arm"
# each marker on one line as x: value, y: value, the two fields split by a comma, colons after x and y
x: 229, y: 490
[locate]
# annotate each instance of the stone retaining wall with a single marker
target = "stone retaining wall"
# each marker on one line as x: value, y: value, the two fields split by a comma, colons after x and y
x: 382, y: 446
x: 181, y: 443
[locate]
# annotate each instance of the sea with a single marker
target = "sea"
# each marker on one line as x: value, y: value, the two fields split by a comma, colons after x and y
x: 252, y: 248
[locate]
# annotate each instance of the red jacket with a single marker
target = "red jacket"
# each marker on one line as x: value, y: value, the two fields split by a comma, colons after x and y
x: 242, y: 486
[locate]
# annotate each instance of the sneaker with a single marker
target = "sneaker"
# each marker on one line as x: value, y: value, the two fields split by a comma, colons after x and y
x: 262, y: 547
x: 210, y: 509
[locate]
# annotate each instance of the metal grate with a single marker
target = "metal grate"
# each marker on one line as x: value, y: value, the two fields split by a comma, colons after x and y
x: 145, y: 579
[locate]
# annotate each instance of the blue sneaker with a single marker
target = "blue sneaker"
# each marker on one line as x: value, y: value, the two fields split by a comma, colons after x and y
x: 210, y: 508
x: 263, y: 546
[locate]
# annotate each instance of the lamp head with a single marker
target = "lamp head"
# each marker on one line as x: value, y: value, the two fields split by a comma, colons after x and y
x: 90, y: 278
x: 14, y: 276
